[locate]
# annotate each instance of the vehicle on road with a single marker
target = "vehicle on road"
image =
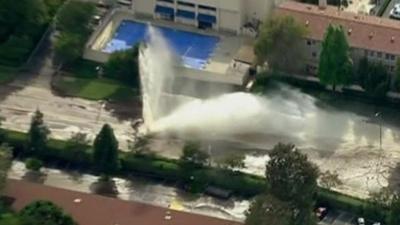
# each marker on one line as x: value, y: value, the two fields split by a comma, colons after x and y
x: 360, y: 221
x: 395, y: 12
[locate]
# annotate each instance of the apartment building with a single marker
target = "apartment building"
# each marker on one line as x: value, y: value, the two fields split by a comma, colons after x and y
x: 225, y: 15
x: 376, y: 38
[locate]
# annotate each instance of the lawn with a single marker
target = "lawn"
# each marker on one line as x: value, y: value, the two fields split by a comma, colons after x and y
x: 95, y: 89
x: 7, y: 74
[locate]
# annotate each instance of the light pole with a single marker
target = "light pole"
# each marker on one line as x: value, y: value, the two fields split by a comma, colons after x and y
x: 379, y: 117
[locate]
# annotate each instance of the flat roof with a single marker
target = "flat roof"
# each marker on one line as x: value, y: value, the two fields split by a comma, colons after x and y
x: 363, y: 31
x: 90, y: 209
x: 246, y: 55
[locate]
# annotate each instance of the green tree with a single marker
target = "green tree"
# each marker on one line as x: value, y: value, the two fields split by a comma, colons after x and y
x: 38, y: 133
x: 292, y: 178
x: 33, y: 164
x: 141, y: 145
x: 394, y: 214
x: 269, y: 210
x: 233, y: 161
x: 124, y: 66
x: 105, y: 155
x: 329, y: 179
x: 335, y: 65
x: 192, y: 154
x: 280, y: 43
x: 45, y: 213
x: 5, y: 164
x: 373, y: 78
x: 75, y: 17
x: 69, y: 47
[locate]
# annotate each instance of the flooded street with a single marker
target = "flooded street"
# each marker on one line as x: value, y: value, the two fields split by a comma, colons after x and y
x: 144, y: 191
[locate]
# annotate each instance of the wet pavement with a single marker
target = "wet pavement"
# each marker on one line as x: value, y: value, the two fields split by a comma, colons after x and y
x: 140, y: 190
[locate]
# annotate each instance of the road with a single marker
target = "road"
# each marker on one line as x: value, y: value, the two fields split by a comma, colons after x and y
x: 386, y: 14
x: 63, y: 116
x: 138, y: 190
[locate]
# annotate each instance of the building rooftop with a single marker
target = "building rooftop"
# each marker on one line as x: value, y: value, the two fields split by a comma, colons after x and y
x: 89, y: 209
x: 363, y: 31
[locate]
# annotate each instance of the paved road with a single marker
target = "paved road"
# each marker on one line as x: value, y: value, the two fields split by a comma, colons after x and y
x: 64, y: 116
x: 386, y: 14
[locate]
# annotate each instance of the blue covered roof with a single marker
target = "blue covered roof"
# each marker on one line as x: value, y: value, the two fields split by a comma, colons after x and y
x: 206, y: 18
x: 185, y: 14
x: 164, y: 10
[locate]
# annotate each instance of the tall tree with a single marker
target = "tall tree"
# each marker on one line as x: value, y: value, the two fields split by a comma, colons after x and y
x: 394, y: 215
x: 291, y: 177
x: 269, y: 210
x: 373, y: 78
x: 45, y: 213
x: 335, y: 65
x: 5, y: 164
x: 105, y: 155
x: 280, y: 43
x: 38, y: 132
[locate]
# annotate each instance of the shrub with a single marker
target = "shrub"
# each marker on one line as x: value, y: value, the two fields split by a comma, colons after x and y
x: 33, y: 164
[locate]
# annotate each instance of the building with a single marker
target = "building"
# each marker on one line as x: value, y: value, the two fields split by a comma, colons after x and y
x: 89, y: 209
x: 376, y: 38
x: 225, y: 15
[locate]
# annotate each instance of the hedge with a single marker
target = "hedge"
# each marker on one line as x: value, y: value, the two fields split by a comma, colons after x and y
x: 156, y: 167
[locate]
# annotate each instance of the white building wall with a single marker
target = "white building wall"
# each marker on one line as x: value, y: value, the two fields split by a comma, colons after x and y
x: 258, y: 9
x: 144, y: 7
x: 229, y: 21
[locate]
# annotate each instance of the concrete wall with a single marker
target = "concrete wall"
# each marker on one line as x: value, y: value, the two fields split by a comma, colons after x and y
x: 230, y: 20
x: 144, y: 7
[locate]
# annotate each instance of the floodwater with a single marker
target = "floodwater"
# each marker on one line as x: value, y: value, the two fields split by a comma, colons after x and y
x: 358, y: 141
x: 136, y: 189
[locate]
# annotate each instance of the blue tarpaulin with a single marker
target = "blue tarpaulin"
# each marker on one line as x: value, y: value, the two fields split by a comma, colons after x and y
x: 164, y: 10
x: 185, y: 14
x: 206, y: 18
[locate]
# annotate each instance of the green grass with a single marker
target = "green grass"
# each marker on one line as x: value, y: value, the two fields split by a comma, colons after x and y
x: 95, y: 89
x: 7, y: 74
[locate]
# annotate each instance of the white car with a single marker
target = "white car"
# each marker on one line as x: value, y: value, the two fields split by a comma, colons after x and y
x: 395, y: 13
x: 361, y: 221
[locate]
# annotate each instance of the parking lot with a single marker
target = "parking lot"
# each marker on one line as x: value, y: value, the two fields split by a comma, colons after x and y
x: 341, y: 218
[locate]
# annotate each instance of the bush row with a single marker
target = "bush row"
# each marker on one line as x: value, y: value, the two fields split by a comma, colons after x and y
x: 173, y: 171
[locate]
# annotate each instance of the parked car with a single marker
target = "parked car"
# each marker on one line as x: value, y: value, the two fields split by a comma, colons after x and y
x: 360, y: 221
x: 395, y: 12
x: 321, y: 212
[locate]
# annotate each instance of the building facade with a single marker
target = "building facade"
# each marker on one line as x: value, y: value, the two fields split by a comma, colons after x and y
x: 376, y: 38
x: 224, y: 15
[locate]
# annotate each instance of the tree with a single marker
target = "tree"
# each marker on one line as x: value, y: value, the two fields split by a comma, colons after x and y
x: 280, y: 43
x: 373, y: 78
x: 124, y: 66
x: 5, y: 164
x: 105, y: 155
x: 268, y: 210
x: 234, y: 161
x: 76, y: 147
x: 394, y: 214
x: 335, y: 65
x: 192, y: 154
x: 33, y: 164
x: 292, y: 178
x: 397, y: 75
x: 329, y: 180
x: 38, y: 133
x: 75, y: 16
x: 69, y: 47
x: 141, y: 145
x: 45, y: 213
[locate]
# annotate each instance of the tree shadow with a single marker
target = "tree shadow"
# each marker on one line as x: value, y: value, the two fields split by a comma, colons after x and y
x: 125, y: 110
x: 35, y: 177
x: 104, y: 187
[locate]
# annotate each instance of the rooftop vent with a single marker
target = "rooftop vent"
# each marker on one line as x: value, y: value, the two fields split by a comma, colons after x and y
x: 349, y: 31
x: 371, y: 35
x: 77, y: 200
x: 307, y: 23
x: 392, y: 39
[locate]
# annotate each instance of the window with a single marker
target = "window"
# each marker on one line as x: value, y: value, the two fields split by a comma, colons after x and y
x: 392, y: 57
x: 207, y: 7
x: 387, y: 56
x: 379, y: 54
x: 371, y: 53
x: 185, y: 3
x: 169, y: 1
x: 308, y: 42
